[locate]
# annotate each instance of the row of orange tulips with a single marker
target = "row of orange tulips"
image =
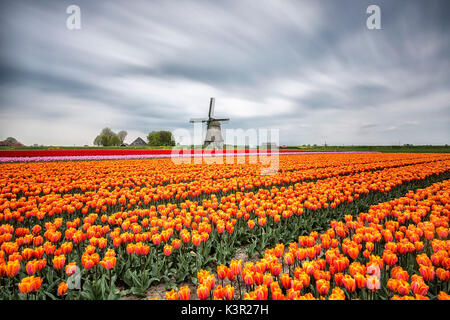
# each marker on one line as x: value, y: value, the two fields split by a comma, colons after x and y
x: 34, y: 178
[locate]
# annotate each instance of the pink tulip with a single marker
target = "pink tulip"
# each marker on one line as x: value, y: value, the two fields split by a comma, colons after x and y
x: 373, y: 283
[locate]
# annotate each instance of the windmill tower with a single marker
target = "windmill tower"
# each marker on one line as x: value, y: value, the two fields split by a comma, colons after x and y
x: 213, y: 130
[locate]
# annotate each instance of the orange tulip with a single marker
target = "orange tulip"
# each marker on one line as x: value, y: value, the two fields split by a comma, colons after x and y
x: 258, y: 278
x: 361, y: 280
x: 419, y: 287
x: 427, y: 272
x: 286, y: 281
x: 156, y: 239
x: 278, y: 295
x: 184, y: 293
x: 202, y: 292
x: 222, y: 271
x: 59, y: 261
x: 339, y: 279
x: 31, y: 267
x: 443, y: 296
x: 423, y: 259
x: 229, y: 227
x: 230, y: 274
x: 262, y: 221
x: 220, y: 227
x: 62, y: 289
x: 261, y: 292
x: 248, y: 278
x: 311, y: 252
x: 236, y: 267
x: 131, y: 248
x: 403, y: 288
x: 267, y: 279
x: 337, y: 294
x: 168, y: 250
x: 26, y: 285
x: 228, y: 292
x: 322, y: 286
x: 172, y: 295
x: 275, y: 268
x: 30, y: 284
x: 353, y: 252
x: 340, y: 264
x: 218, y: 293
x: 349, y: 283
x: 399, y: 274
x: 300, y: 254
x: 176, y: 243
x: 108, y: 262
x: 289, y: 259
x: 12, y: 268
x: 390, y: 258
x: 442, y: 274
x: 392, y: 284
x: 196, y: 240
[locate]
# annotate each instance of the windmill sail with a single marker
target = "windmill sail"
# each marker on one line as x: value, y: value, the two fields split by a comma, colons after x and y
x: 211, y: 108
x: 198, y: 120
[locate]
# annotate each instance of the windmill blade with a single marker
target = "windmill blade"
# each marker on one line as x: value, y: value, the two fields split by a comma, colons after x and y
x: 198, y: 120
x: 221, y: 119
x: 211, y: 108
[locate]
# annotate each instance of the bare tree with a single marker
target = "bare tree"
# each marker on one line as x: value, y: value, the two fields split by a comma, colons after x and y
x: 122, y: 135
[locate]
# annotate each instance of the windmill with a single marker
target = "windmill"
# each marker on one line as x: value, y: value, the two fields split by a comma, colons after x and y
x: 213, y: 129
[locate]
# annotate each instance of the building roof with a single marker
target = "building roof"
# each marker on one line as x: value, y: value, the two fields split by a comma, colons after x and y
x: 138, y: 142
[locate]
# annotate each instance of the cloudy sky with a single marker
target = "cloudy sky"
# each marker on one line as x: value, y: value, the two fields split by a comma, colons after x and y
x: 311, y: 69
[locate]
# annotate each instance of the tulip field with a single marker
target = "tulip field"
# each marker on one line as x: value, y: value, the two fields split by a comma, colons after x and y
x: 324, y: 226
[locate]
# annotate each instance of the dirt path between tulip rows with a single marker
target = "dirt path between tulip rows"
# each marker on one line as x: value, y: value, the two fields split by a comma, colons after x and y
x: 159, y: 291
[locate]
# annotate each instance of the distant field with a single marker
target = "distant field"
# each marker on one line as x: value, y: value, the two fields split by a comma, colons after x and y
x: 85, y: 148
x: 394, y: 149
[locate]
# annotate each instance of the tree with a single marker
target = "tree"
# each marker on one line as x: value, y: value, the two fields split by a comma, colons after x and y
x: 11, y: 140
x: 98, y: 141
x: 160, y: 138
x: 167, y: 138
x: 107, y: 138
x: 154, y: 138
x: 122, y: 135
x: 114, y: 141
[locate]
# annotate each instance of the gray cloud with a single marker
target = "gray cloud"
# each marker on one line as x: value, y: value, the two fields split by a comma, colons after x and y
x: 310, y: 68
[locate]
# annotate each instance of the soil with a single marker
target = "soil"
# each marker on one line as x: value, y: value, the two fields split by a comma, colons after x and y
x: 159, y: 291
